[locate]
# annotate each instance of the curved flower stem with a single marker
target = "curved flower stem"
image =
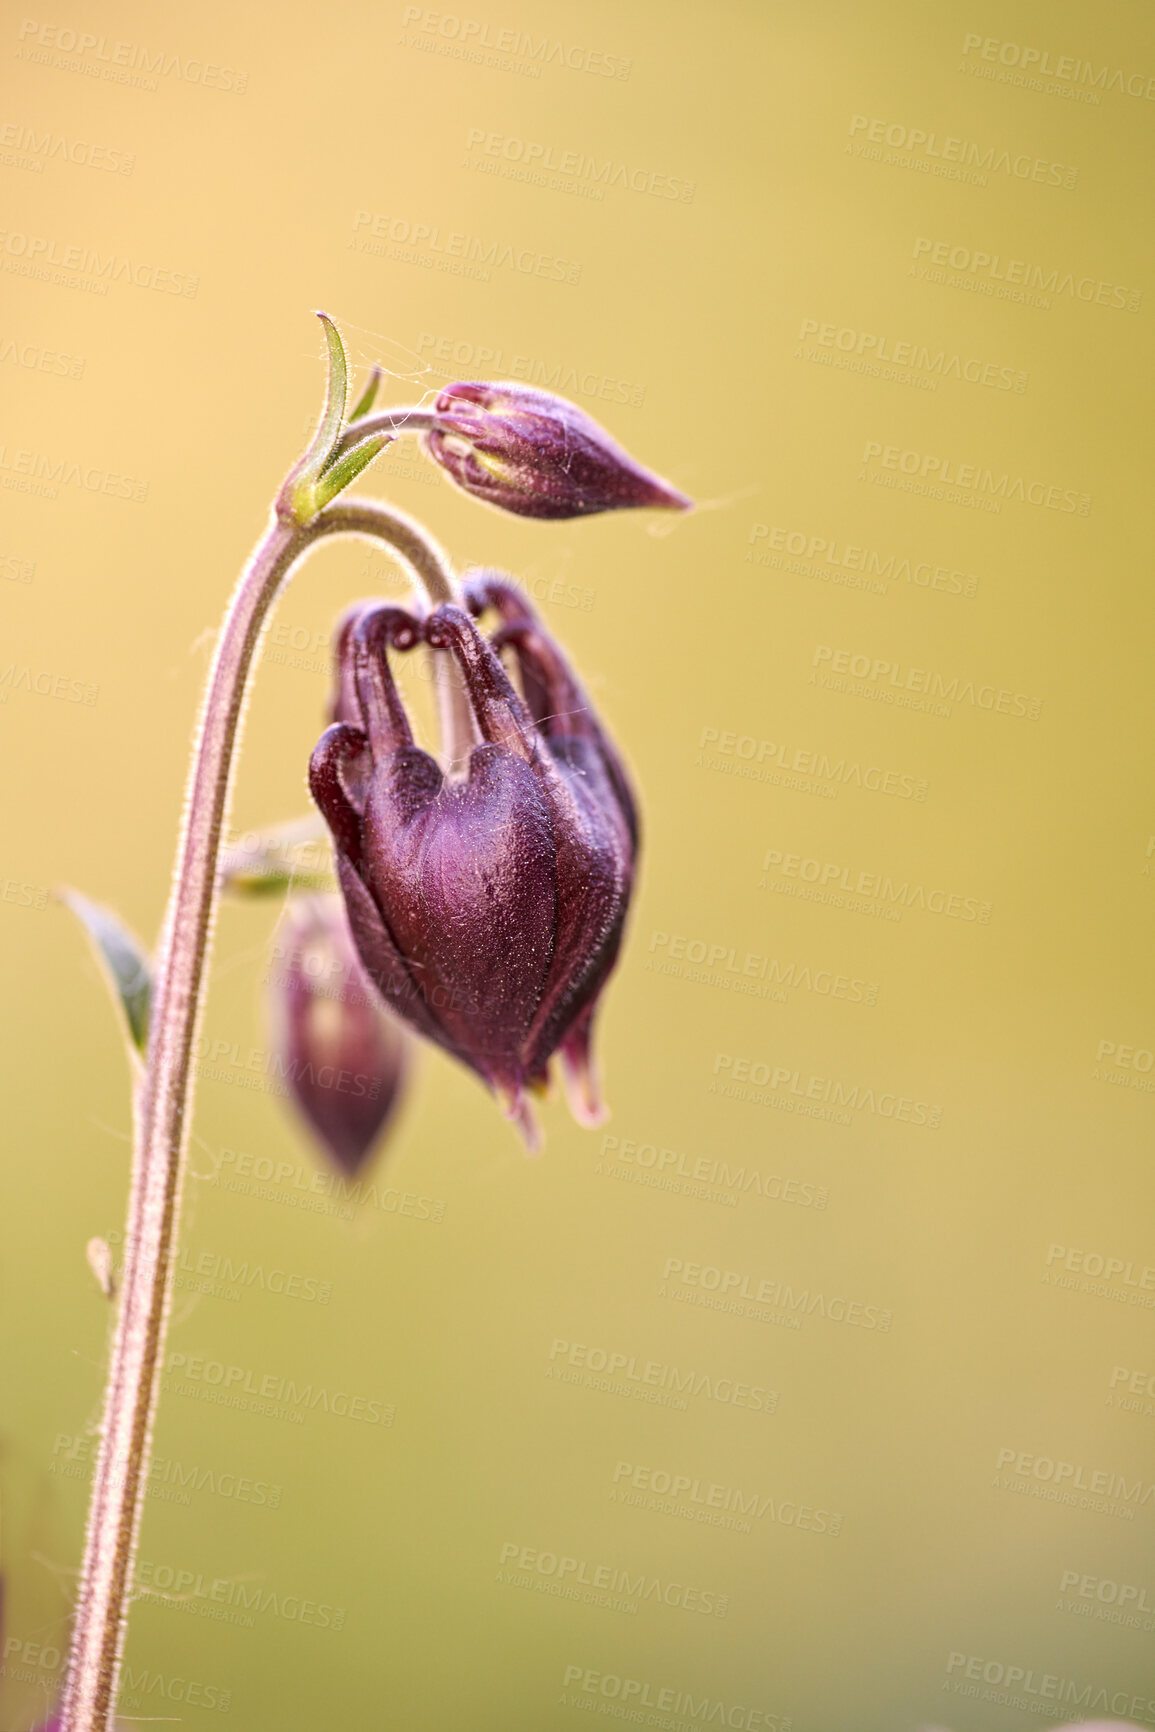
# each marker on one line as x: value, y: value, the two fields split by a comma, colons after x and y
x: 165, y: 1093
x: 404, y: 537
x: 459, y: 732
x: 394, y: 421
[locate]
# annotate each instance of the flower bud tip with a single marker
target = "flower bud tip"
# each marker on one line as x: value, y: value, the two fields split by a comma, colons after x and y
x: 345, y: 1057
x: 537, y: 455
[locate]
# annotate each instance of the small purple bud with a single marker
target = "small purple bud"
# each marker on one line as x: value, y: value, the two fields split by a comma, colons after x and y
x: 344, y: 1056
x: 487, y: 910
x: 534, y: 454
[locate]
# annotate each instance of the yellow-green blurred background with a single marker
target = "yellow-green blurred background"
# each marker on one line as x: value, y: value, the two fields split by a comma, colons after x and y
x: 811, y: 261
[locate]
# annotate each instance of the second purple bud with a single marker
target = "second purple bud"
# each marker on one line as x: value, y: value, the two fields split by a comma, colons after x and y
x: 345, y: 1058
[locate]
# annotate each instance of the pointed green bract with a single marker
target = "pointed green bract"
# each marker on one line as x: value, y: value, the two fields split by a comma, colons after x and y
x: 336, y: 397
x: 347, y: 468
x: 124, y: 963
x: 304, y: 489
x: 321, y: 473
x: 368, y: 396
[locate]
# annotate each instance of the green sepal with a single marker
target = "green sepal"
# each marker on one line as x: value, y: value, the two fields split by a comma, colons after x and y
x: 336, y: 397
x: 368, y: 396
x: 304, y: 488
x: 123, y: 960
x: 347, y: 468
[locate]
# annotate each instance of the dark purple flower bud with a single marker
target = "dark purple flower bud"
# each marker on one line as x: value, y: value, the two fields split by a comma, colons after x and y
x: 537, y: 455
x: 488, y: 910
x: 346, y: 1059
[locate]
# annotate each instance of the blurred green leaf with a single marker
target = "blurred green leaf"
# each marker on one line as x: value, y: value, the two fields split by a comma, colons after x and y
x: 294, y: 856
x: 124, y: 963
x: 368, y: 396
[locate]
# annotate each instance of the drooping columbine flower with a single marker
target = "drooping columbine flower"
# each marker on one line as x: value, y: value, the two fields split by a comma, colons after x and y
x: 346, y: 1058
x: 535, y: 454
x: 487, y: 910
